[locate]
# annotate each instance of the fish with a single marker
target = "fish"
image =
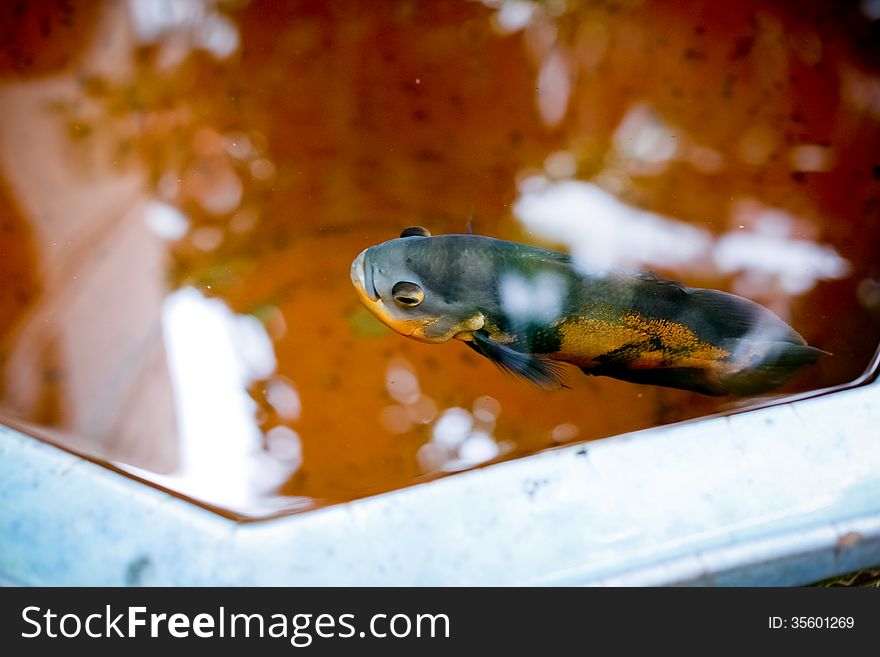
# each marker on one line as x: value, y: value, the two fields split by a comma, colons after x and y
x: 532, y: 310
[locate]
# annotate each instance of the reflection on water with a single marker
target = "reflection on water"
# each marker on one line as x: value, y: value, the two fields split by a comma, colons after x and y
x: 183, y: 186
x: 601, y: 232
x: 214, y: 356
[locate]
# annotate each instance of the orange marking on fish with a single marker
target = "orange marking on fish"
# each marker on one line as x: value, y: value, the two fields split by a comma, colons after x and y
x: 584, y: 339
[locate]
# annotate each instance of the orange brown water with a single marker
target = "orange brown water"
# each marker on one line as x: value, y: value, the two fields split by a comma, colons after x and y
x: 324, y: 128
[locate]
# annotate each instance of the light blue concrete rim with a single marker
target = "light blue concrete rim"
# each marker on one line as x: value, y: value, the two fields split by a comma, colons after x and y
x: 783, y: 495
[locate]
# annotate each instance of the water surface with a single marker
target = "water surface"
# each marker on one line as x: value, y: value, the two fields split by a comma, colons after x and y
x: 181, y: 196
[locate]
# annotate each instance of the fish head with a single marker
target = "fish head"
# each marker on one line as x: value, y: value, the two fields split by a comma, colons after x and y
x: 413, y: 285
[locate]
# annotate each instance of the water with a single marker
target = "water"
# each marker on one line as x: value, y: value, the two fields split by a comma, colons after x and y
x: 181, y: 196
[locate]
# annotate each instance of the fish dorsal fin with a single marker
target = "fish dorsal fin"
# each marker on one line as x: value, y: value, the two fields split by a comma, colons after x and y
x: 537, y: 370
x: 415, y: 231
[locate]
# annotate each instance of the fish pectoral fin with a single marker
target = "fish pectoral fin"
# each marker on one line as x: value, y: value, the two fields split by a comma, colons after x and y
x: 538, y: 370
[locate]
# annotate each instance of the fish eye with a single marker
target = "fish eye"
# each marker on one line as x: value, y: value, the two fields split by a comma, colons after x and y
x: 407, y: 294
x: 415, y: 231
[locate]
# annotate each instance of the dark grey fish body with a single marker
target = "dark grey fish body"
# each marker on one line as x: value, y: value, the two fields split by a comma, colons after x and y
x: 528, y: 309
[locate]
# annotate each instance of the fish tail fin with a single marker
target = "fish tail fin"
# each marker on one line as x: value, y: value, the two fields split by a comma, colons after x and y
x: 771, y: 351
x: 735, y: 316
x: 780, y: 362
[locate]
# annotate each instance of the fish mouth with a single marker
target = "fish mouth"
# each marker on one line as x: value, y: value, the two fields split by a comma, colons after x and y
x: 362, y: 275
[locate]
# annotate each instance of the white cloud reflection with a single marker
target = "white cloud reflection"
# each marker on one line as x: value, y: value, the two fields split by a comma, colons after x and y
x: 539, y: 298
x: 602, y: 232
x: 512, y: 15
x: 554, y: 87
x: 282, y: 396
x: 165, y: 220
x: 452, y: 428
x: 197, y: 20
x: 645, y: 140
x: 770, y: 255
x: 413, y: 407
x: 459, y: 438
x: 401, y: 381
x: 214, y: 356
x: 812, y: 157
